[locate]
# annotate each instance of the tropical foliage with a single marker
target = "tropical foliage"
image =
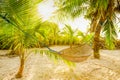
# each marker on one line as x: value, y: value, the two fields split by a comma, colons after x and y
x: 70, y: 34
x: 16, y: 17
x: 21, y: 27
x: 102, y: 14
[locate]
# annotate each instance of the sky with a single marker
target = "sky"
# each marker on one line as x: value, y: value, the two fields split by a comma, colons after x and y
x: 46, y: 9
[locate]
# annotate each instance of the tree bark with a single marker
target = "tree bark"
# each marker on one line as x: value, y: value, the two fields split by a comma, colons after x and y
x: 96, y: 42
x: 93, y: 24
x: 71, y: 46
x: 21, y: 68
x: 71, y: 42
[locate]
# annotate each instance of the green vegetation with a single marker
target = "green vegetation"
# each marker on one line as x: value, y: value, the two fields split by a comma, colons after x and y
x: 22, y: 28
x: 101, y: 13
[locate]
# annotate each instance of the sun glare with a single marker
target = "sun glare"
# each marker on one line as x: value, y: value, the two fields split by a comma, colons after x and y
x: 46, y: 8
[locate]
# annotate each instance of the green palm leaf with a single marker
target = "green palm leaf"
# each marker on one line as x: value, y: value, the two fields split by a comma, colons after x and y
x: 110, y: 33
x: 70, y: 8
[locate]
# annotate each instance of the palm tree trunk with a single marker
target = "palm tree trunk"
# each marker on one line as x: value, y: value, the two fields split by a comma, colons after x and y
x: 93, y: 25
x: 71, y: 46
x: 94, y: 22
x: 21, y: 68
x: 96, y: 42
x: 71, y: 42
x: 107, y: 13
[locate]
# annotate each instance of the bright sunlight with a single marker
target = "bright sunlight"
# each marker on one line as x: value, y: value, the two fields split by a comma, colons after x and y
x: 46, y: 9
x: 55, y: 40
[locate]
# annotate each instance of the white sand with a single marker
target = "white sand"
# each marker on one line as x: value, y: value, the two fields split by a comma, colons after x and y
x: 42, y: 68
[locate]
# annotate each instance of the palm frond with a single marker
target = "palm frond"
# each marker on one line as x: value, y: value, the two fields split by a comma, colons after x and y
x: 55, y: 57
x: 70, y: 8
x: 110, y: 33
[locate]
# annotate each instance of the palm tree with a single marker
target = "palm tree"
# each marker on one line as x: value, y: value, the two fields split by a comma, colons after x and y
x: 85, y: 38
x: 22, y: 23
x: 51, y: 31
x: 69, y: 33
x: 16, y: 16
x: 100, y: 12
x: 102, y: 17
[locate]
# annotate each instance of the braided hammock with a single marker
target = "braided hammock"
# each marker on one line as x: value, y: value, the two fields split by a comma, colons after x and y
x: 77, y: 53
